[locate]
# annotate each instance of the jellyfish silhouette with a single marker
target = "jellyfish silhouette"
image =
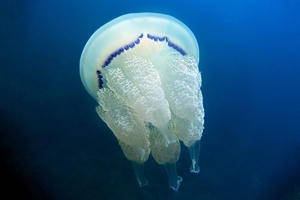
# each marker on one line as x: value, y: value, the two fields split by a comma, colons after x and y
x: 142, y: 69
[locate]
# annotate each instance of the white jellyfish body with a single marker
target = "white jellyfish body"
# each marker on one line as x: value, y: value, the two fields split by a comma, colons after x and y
x: 143, y: 71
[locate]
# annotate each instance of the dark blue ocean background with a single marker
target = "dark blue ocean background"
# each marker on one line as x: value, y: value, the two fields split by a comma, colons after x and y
x: 54, y: 145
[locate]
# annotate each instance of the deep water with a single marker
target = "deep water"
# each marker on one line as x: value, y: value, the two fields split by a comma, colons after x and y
x: 54, y: 146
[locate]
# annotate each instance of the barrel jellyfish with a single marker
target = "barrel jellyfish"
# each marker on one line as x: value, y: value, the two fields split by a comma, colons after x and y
x: 142, y: 69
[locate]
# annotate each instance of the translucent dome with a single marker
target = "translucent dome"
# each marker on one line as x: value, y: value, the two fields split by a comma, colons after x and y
x: 123, y: 31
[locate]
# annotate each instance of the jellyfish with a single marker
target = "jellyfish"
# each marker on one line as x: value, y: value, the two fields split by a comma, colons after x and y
x: 142, y: 69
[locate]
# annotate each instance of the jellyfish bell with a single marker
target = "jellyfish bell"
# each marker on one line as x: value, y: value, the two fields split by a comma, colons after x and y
x: 142, y: 69
x: 126, y: 29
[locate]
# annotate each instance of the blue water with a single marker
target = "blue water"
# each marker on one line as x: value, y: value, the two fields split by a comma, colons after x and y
x: 54, y: 146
